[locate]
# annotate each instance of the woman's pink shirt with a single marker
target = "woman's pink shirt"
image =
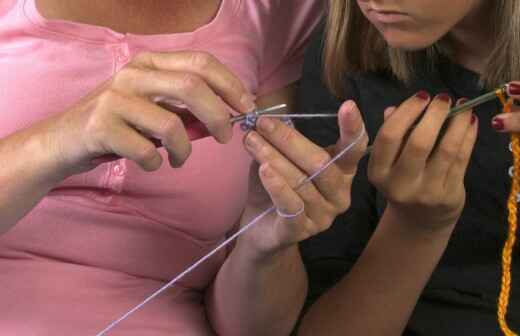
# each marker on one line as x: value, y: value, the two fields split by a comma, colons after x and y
x: 102, y: 241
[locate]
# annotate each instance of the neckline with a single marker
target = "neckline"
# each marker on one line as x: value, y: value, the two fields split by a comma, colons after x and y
x: 100, y: 34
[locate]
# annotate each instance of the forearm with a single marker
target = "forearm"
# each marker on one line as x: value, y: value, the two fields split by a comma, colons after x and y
x: 379, y: 294
x: 257, y: 297
x: 27, y: 173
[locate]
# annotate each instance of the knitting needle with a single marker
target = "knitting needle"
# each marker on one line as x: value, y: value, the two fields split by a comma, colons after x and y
x: 241, y: 117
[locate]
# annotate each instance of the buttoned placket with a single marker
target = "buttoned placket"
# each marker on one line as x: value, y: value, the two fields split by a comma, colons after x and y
x: 117, y: 170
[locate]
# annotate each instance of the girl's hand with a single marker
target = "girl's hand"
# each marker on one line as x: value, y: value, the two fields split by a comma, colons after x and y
x: 120, y: 117
x: 509, y: 122
x: 286, y: 158
x: 421, y: 176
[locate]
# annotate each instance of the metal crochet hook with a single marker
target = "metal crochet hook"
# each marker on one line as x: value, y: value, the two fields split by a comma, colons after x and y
x: 467, y: 105
x: 268, y: 113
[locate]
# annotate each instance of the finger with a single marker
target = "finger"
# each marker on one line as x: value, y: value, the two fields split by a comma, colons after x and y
x: 263, y: 152
x: 457, y: 171
x: 513, y: 90
x: 507, y: 122
x: 290, y: 148
x: 188, y: 88
x: 391, y: 136
x: 449, y: 147
x: 285, y: 199
x: 128, y: 143
x: 226, y: 84
x: 423, y: 138
x: 287, y: 202
x: 351, y: 127
x: 155, y: 122
x: 389, y: 111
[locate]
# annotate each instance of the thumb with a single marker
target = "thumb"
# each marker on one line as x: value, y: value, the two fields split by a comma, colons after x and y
x: 351, y: 128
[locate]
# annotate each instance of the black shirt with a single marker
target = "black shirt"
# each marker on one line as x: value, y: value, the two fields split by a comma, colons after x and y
x: 461, y: 296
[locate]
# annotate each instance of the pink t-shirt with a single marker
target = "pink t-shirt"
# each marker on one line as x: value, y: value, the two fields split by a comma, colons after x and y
x: 102, y: 241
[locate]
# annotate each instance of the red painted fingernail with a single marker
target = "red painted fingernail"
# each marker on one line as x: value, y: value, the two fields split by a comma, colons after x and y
x: 423, y: 95
x: 444, y: 97
x: 497, y: 124
x: 462, y: 101
x: 514, y: 89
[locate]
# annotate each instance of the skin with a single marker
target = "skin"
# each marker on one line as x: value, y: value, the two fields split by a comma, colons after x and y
x: 423, y: 184
x: 248, y: 287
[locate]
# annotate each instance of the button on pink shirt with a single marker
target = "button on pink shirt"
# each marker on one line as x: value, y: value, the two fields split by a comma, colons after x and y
x: 102, y: 241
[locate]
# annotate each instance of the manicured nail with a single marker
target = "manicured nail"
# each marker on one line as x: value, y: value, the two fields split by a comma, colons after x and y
x: 423, y: 95
x: 253, y: 141
x: 248, y: 102
x: 266, y: 125
x: 462, y: 101
x: 444, y: 97
x: 514, y: 89
x: 473, y: 118
x: 497, y: 124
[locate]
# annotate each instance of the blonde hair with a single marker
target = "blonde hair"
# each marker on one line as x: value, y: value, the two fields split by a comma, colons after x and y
x: 352, y: 44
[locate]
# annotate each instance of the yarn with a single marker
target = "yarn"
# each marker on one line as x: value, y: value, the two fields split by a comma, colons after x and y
x: 512, y: 206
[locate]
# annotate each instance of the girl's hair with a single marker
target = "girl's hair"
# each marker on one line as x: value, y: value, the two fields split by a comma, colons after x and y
x: 353, y: 44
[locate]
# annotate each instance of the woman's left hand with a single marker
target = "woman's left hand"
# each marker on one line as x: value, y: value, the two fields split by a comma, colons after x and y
x: 509, y: 122
x: 285, y: 159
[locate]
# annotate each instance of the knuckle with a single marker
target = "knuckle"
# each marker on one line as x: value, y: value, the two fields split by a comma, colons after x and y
x: 449, y: 153
x: 201, y: 61
x: 171, y: 126
x: 320, y: 159
x: 128, y: 76
x: 218, y: 122
x: 188, y: 83
x: 287, y: 134
x: 418, y: 147
x: 107, y: 99
x: 143, y: 57
x: 343, y: 202
x: 387, y: 137
x: 145, y: 153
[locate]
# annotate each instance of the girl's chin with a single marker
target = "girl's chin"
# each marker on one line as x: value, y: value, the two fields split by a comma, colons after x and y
x: 409, y: 42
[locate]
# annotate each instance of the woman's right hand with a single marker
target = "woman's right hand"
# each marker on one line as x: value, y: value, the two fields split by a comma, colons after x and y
x: 421, y: 176
x: 120, y: 116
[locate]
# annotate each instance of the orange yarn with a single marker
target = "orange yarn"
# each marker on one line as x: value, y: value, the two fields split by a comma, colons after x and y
x: 512, y: 205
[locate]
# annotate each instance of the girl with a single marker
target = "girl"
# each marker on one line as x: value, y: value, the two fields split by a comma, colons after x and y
x: 86, y: 88
x: 379, y: 257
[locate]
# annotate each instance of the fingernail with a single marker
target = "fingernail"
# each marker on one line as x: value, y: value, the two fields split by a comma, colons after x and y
x: 444, y: 97
x: 497, y: 124
x: 514, y: 89
x: 462, y: 101
x: 253, y: 141
x: 423, y: 95
x: 248, y: 102
x: 266, y: 125
x: 473, y: 119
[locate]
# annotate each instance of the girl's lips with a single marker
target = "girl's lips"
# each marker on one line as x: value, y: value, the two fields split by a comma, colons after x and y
x: 386, y: 16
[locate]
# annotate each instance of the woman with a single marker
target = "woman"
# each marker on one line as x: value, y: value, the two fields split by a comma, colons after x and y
x: 86, y: 89
x: 378, y: 258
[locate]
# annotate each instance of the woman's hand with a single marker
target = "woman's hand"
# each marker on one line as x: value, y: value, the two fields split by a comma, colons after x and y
x: 421, y: 176
x: 121, y: 117
x: 509, y: 122
x: 286, y: 158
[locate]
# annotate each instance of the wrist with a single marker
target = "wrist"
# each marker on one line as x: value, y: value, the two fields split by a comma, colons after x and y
x: 260, y: 257
x: 417, y: 227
